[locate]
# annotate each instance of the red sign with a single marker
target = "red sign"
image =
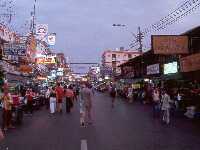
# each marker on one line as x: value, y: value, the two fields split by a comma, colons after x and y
x: 25, y: 69
x: 170, y: 44
x: 190, y: 63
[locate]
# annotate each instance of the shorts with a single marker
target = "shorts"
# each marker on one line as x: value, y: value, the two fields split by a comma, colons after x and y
x: 59, y: 100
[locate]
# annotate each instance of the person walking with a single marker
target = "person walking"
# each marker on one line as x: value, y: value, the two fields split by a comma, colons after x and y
x: 59, y: 97
x: 86, y: 97
x: 69, y: 95
x: 52, y: 101
x: 156, y: 102
x: 165, y: 100
x: 113, y: 94
x: 7, y: 110
x: 29, y: 97
x: 47, y: 98
x: 130, y: 94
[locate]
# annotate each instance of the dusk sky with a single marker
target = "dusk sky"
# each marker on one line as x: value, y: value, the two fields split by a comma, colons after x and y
x: 84, y: 27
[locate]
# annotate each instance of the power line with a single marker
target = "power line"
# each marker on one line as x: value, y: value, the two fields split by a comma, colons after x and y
x: 179, y: 13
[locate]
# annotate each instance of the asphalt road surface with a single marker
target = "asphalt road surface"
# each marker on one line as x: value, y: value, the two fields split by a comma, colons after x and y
x: 125, y: 127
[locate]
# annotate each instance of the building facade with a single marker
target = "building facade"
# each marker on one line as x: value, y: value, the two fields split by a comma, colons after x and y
x: 111, y: 59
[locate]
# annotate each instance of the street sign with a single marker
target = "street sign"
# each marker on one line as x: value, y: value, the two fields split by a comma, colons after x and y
x: 15, y: 49
x: 51, y: 39
x: 41, y: 29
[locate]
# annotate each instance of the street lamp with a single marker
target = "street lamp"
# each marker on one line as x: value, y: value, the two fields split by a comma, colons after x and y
x: 138, y: 37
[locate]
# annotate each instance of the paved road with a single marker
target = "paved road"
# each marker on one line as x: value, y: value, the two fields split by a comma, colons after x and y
x: 126, y: 127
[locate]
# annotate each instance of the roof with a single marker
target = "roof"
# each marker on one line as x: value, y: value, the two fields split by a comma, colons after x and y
x: 193, y: 32
x: 137, y: 58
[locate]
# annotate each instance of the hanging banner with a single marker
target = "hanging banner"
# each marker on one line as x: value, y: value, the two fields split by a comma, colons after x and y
x: 170, y: 44
x: 190, y: 63
x: 51, y: 39
x: 41, y: 29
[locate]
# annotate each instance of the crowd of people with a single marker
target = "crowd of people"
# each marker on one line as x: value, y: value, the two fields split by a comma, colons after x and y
x: 54, y: 99
x: 163, y: 100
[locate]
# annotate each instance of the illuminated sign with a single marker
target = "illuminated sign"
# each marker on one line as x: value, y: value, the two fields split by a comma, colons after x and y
x: 46, y: 60
x: 170, y: 68
x: 60, y: 72
x: 41, y: 78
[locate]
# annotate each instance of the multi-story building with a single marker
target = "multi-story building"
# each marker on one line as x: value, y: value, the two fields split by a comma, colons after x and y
x: 111, y: 59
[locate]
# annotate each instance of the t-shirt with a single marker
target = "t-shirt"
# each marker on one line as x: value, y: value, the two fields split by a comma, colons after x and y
x: 86, y: 94
x: 59, y: 92
x: 30, y: 96
x: 69, y: 93
x: 7, y: 102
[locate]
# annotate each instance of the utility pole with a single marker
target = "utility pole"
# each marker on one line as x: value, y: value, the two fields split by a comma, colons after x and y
x: 33, y: 14
x: 139, y: 39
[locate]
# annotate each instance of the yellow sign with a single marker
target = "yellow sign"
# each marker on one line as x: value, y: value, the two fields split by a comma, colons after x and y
x: 46, y: 60
x: 41, y: 78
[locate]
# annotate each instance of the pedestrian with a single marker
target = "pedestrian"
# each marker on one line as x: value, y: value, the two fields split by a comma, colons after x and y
x: 156, y: 102
x: 130, y: 94
x: 1, y: 135
x: 52, y: 100
x: 69, y: 96
x: 93, y: 90
x: 47, y: 96
x: 178, y: 100
x: 113, y: 95
x: 29, y: 96
x: 86, y: 97
x: 7, y: 110
x: 59, y: 97
x: 77, y: 92
x: 165, y: 100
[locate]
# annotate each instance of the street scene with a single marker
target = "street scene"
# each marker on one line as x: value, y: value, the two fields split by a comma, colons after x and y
x: 99, y: 75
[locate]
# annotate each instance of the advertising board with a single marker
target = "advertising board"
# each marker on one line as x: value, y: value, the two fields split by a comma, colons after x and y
x: 170, y: 44
x: 153, y: 69
x: 190, y: 63
x: 171, y: 68
x: 15, y: 49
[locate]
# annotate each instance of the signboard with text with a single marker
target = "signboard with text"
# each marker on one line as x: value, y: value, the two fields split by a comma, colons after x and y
x: 153, y: 69
x: 46, y: 60
x: 18, y: 49
x: 51, y: 39
x: 41, y: 29
x: 25, y: 69
x: 171, y: 68
x: 170, y: 44
x: 190, y: 63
